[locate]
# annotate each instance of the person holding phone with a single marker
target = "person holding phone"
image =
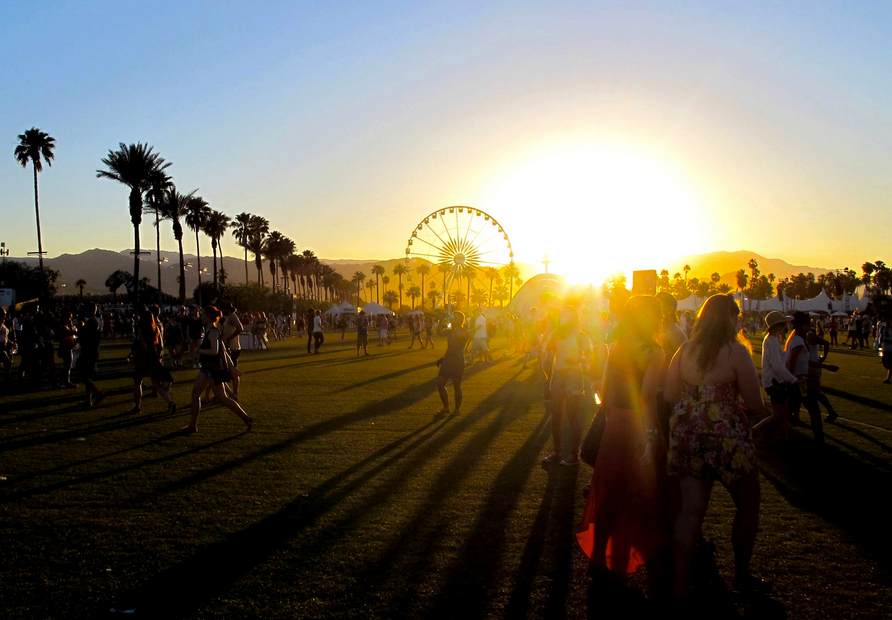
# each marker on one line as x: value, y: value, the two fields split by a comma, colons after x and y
x: 452, y: 364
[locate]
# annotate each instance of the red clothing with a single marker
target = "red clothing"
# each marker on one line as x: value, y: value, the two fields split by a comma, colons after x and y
x: 625, y: 515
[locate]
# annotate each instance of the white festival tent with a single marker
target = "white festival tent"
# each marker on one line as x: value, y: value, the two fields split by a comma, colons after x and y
x: 373, y: 309
x: 822, y: 303
x: 342, y: 308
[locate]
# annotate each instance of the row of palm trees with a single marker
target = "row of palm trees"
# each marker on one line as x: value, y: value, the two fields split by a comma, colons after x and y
x: 153, y: 191
x: 501, y: 285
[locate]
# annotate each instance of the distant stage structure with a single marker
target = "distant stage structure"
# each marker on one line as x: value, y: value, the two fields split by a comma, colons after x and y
x: 465, y: 245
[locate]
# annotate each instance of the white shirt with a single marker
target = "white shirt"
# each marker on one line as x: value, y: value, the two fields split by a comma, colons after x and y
x: 794, y: 343
x: 773, y: 366
x: 480, y: 327
x: 317, y: 324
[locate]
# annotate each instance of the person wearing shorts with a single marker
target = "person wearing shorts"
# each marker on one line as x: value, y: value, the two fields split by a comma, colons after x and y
x: 569, y: 346
x: 232, y: 328
x: 213, y: 373
x: 362, y: 333
x: 776, y: 379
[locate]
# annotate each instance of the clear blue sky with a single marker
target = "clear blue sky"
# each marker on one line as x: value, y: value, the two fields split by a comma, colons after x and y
x: 345, y: 123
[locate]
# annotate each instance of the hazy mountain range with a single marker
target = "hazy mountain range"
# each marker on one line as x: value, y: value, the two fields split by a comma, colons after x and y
x: 728, y: 263
x: 96, y: 265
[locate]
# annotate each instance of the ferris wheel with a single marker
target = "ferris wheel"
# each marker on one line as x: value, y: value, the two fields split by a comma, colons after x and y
x: 463, y: 243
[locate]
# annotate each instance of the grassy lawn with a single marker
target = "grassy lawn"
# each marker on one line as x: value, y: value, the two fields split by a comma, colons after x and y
x: 351, y: 500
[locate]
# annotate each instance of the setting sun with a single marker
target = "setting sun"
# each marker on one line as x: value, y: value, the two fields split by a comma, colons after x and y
x: 598, y: 209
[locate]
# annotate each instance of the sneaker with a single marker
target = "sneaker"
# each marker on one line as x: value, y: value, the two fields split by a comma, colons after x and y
x: 172, y: 409
x: 134, y: 410
x: 456, y: 412
x: 554, y: 457
x: 830, y: 419
x: 571, y: 460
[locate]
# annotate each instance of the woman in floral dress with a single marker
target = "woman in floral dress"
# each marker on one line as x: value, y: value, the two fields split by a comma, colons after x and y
x: 713, y: 384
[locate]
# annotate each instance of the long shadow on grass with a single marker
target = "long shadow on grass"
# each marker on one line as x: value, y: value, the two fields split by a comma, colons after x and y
x: 861, y: 400
x: 64, y: 484
x: 552, y: 537
x: 370, y: 411
x: 211, y: 572
x: 73, y: 398
x: 884, y: 446
x: 838, y: 487
x: 390, y: 375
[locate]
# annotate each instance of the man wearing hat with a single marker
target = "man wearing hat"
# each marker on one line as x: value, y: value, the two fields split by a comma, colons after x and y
x: 232, y: 327
x: 777, y: 381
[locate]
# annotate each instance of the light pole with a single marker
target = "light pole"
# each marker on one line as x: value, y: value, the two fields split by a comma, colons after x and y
x: 546, y: 261
x: 63, y: 292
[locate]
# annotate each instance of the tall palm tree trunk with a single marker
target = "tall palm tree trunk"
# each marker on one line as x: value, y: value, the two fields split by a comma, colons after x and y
x: 136, y: 219
x: 214, y: 248
x: 246, y: 265
x: 198, y: 256
x: 158, y: 251
x: 39, y: 237
x: 182, y: 272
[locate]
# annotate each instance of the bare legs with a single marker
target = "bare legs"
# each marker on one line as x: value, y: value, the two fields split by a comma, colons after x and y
x: 203, y: 381
x: 159, y: 386
x: 569, y: 407
x: 780, y: 417
x: 695, y: 492
x: 444, y: 395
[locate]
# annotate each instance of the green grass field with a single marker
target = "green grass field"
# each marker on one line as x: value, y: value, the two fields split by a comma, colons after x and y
x: 350, y: 500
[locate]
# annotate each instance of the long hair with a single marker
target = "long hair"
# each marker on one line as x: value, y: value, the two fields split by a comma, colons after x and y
x: 639, y: 322
x: 149, y: 328
x: 715, y: 328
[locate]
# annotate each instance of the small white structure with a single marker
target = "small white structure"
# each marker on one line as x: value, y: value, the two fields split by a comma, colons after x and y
x: 373, y: 309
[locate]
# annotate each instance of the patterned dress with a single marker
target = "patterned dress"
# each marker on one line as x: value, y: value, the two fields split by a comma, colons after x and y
x: 710, y: 435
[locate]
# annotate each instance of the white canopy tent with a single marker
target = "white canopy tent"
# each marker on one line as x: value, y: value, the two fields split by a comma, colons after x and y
x: 373, y: 309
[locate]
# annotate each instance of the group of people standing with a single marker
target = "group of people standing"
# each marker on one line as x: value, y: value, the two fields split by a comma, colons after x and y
x: 677, y: 416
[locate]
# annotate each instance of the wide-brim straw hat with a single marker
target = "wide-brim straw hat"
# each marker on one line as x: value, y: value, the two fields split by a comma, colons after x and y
x: 774, y: 317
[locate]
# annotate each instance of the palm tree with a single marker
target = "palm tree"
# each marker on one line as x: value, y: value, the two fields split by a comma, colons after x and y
x: 423, y: 269
x: 470, y: 274
x: 491, y: 274
x: 272, y: 249
x: 378, y: 270
x: 286, y: 251
x: 215, y: 228
x: 174, y: 206
x: 511, y: 273
x: 198, y: 212
x: 311, y: 268
x: 116, y: 280
x: 400, y: 270
x: 259, y: 231
x: 686, y: 269
x: 414, y: 292
x: 445, y: 269
x: 159, y: 182
x: 241, y: 231
x: 36, y: 146
x: 371, y: 285
x: 433, y: 295
x: 501, y: 294
x: 390, y: 298
x: 358, y: 279
x: 385, y: 280
x: 80, y: 284
x: 742, y: 279
x: 133, y: 166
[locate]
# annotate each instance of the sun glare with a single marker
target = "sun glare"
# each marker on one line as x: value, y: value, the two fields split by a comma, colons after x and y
x: 595, y: 211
